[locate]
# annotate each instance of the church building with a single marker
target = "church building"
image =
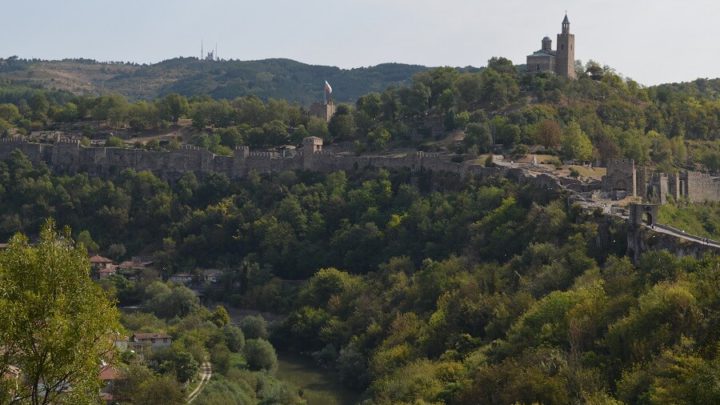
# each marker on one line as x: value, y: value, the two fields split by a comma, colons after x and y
x: 562, y: 60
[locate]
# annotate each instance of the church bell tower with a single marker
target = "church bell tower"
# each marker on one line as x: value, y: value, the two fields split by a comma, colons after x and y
x: 565, y: 57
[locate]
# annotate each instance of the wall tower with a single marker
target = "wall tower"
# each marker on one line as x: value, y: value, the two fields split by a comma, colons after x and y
x: 565, y: 57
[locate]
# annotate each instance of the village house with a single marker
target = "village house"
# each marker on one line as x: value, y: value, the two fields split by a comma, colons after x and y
x: 152, y: 340
x: 98, y: 262
x: 107, y: 271
x: 181, y: 278
x: 109, y: 375
x: 212, y: 276
x: 132, y: 268
x: 121, y: 343
x: 102, y: 267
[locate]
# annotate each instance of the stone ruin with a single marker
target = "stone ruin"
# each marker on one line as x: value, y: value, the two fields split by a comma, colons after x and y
x: 72, y: 157
x: 626, y: 179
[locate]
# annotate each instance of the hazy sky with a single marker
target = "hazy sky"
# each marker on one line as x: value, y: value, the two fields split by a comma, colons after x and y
x: 651, y: 41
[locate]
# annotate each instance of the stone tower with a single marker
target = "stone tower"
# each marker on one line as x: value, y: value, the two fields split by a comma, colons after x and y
x: 547, y: 44
x: 565, y: 57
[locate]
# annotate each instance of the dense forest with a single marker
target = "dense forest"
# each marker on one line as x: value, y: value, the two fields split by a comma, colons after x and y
x: 228, y: 79
x: 429, y: 289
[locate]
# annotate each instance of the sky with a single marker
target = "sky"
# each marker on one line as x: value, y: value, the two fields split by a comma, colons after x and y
x: 650, y: 41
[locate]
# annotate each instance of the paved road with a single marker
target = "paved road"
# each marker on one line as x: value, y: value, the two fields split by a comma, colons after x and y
x: 682, y: 235
x: 205, y: 375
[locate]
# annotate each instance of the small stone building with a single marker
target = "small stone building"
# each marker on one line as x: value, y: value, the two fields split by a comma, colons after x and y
x: 152, y: 340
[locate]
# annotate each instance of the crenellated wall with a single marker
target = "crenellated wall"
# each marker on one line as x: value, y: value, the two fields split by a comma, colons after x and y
x: 701, y: 187
x: 71, y: 157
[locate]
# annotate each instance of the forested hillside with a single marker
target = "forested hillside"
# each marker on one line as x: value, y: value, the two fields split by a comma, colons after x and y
x: 271, y: 78
x: 419, y: 289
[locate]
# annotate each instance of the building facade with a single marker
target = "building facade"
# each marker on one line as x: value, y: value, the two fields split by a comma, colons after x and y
x: 560, y: 61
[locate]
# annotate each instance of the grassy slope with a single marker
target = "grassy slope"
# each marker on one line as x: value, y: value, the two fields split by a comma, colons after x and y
x: 318, y: 385
x: 696, y: 219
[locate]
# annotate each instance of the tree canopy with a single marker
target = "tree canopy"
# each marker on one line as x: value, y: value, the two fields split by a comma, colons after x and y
x: 56, y: 325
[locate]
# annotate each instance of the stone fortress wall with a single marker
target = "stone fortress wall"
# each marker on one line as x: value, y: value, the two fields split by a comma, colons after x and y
x: 71, y: 157
x: 624, y: 178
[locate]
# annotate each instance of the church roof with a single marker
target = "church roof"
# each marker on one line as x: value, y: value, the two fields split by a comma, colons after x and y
x: 565, y: 21
x: 543, y: 53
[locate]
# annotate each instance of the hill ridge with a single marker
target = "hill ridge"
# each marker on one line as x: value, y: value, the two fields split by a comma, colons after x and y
x: 282, y: 78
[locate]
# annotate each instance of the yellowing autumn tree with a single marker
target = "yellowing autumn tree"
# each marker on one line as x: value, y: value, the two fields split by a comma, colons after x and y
x: 55, y: 323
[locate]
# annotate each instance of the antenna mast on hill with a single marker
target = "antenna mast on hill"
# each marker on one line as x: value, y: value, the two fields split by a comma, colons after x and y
x: 216, y: 54
x: 202, y: 50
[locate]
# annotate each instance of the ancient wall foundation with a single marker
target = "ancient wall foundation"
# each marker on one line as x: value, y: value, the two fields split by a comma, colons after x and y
x: 71, y: 157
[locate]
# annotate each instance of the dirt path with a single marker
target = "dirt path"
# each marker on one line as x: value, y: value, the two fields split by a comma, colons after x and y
x: 205, y: 375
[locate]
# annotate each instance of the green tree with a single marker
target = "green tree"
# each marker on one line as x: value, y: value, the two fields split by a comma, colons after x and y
x: 159, y: 391
x: 575, y: 143
x: 116, y: 251
x: 502, y: 65
x: 9, y: 112
x: 173, y: 106
x: 234, y: 338
x: 220, y: 316
x: 254, y: 327
x: 220, y: 358
x: 186, y: 367
x: 167, y: 302
x: 260, y: 355
x: 548, y: 133
x: 342, y: 124
x: 5, y: 127
x: 87, y: 241
x: 317, y: 127
x: 469, y: 90
x: 378, y: 138
x: 55, y: 323
x: 114, y: 142
x: 478, y: 134
x: 40, y: 106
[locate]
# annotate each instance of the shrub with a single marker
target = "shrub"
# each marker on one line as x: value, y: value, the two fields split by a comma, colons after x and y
x: 254, y: 327
x: 234, y: 338
x: 260, y: 355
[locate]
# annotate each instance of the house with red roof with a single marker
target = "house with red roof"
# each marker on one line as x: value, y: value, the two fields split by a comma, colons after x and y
x: 102, y: 267
x: 109, y: 375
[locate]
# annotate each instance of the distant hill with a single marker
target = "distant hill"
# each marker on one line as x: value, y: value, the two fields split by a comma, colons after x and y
x: 270, y: 78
